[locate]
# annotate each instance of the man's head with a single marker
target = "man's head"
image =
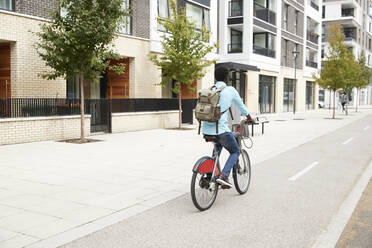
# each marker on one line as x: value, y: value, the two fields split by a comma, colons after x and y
x: 221, y: 73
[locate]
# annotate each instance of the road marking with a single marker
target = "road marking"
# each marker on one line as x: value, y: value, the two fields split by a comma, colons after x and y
x: 347, y: 141
x: 295, y: 177
x: 331, y: 234
x: 366, y: 128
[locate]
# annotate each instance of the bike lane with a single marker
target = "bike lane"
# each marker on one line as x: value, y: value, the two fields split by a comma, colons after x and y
x: 291, y: 201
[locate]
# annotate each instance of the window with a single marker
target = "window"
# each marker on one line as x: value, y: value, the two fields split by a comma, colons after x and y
x: 126, y: 26
x: 6, y: 4
x: 285, y: 17
x: 200, y: 16
x: 236, y: 42
x: 289, y: 88
x: 323, y: 11
x: 163, y: 12
x: 264, y: 44
x: 285, y: 52
x: 296, y: 22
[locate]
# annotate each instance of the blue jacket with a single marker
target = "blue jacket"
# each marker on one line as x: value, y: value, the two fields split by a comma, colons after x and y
x: 227, y: 96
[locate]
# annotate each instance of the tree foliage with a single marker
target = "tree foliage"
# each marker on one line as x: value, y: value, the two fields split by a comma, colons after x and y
x: 78, y: 41
x: 185, y: 49
x: 339, y: 69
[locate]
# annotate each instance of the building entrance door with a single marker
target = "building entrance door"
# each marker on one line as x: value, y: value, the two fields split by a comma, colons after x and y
x: 266, y: 94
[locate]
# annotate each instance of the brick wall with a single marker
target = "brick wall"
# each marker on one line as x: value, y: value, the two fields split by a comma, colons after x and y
x: 23, y: 130
x: 26, y: 64
x: 141, y: 19
x: 40, y: 8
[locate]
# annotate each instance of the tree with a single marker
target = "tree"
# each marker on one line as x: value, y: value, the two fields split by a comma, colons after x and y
x: 78, y: 41
x: 336, y: 70
x: 184, y: 49
x: 364, y: 76
x: 351, y: 77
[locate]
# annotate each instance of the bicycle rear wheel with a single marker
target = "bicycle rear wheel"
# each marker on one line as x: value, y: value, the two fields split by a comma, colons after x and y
x: 242, y: 173
x: 203, y: 190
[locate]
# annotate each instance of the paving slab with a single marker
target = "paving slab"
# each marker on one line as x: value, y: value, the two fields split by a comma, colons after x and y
x: 76, y: 185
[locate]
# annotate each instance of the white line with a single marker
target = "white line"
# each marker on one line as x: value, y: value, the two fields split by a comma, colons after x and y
x: 329, y: 237
x: 303, y: 171
x: 366, y: 128
x: 347, y: 141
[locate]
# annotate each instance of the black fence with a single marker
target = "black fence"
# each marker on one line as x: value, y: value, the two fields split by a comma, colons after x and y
x: 98, y: 108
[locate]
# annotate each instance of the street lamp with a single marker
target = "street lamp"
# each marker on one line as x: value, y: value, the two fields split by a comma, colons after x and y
x: 295, y: 53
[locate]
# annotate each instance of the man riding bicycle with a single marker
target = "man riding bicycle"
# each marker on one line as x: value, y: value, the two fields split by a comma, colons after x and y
x: 225, y: 137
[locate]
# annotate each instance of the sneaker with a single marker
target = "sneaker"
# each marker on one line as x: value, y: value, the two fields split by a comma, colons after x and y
x: 224, y: 181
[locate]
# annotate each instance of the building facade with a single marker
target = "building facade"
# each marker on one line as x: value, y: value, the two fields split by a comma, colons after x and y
x: 273, y: 49
x: 356, y: 22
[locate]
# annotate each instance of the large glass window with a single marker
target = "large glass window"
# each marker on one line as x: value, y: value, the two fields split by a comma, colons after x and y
x: 163, y: 12
x: 285, y: 17
x: 266, y: 97
x: 200, y: 16
x: 310, y: 95
x: 126, y: 26
x: 6, y: 4
x: 236, y: 45
x: 264, y: 44
x: 288, y: 95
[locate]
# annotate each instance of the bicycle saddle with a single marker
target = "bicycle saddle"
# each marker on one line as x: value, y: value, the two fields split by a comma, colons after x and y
x: 211, y: 138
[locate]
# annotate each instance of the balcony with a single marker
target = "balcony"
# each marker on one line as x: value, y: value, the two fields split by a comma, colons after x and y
x: 347, y: 12
x: 235, y: 48
x: 264, y: 14
x: 312, y: 36
x: 263, y: 51
x: 311, y: 64
x: 349, y: 34
x: 314, y: 5
x: 235, y: 8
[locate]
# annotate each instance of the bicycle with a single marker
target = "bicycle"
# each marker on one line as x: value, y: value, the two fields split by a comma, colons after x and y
x: 206, y: 170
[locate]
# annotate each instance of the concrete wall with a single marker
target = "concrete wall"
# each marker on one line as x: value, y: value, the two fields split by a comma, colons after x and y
x: 124, y: 122
x: 21, y: 130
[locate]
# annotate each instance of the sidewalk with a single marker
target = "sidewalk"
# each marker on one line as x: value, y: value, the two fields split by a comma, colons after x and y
x: 358, y: 232
x: 52, y: 192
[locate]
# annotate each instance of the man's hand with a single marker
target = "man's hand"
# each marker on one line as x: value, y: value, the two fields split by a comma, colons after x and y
x: 249, y: 119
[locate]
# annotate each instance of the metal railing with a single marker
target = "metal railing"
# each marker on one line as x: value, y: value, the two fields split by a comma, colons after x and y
x: 235, y: 48
x: 264, y: 14
x: 313, y: 37
x: 263, y: 51
x: 311, y: 64
x: 40, y: 107
x: 347, y: 12
x: 235, y: 8
x: 349, y: 34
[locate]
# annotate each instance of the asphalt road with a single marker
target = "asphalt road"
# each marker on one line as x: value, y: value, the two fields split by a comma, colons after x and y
x: 291, y: 200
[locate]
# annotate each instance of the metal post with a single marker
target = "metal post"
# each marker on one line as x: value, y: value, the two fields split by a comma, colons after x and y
x: 295, y: 53
x: 294, y: 87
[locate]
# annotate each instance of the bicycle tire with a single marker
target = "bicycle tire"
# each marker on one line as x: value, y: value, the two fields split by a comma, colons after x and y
x: 196, y: 185
x: 242, y: 173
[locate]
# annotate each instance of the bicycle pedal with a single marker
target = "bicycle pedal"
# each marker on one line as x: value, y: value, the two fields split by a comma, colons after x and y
x: 225, y: 187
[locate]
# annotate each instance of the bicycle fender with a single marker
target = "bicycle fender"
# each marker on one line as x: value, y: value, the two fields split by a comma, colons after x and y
x: 205, y: 165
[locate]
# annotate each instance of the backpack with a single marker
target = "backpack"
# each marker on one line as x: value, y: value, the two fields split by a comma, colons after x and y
x: 207, y: 107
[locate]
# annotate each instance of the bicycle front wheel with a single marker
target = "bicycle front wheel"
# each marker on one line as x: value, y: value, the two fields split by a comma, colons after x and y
x: 242, y: 173
x: 203, y: 190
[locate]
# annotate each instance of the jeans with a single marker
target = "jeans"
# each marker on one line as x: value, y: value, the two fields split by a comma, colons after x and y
x: 228, y: 141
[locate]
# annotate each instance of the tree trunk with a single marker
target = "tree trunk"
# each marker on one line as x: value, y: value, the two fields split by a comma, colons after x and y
x: 334, y: 104
x: 347, y: 103
x: 330, y: 99
x: 82, y: 131
x: 180, y: 108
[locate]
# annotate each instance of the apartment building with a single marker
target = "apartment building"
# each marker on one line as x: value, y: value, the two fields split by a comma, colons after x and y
x: 355, y: 19
x: 272, y: 49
